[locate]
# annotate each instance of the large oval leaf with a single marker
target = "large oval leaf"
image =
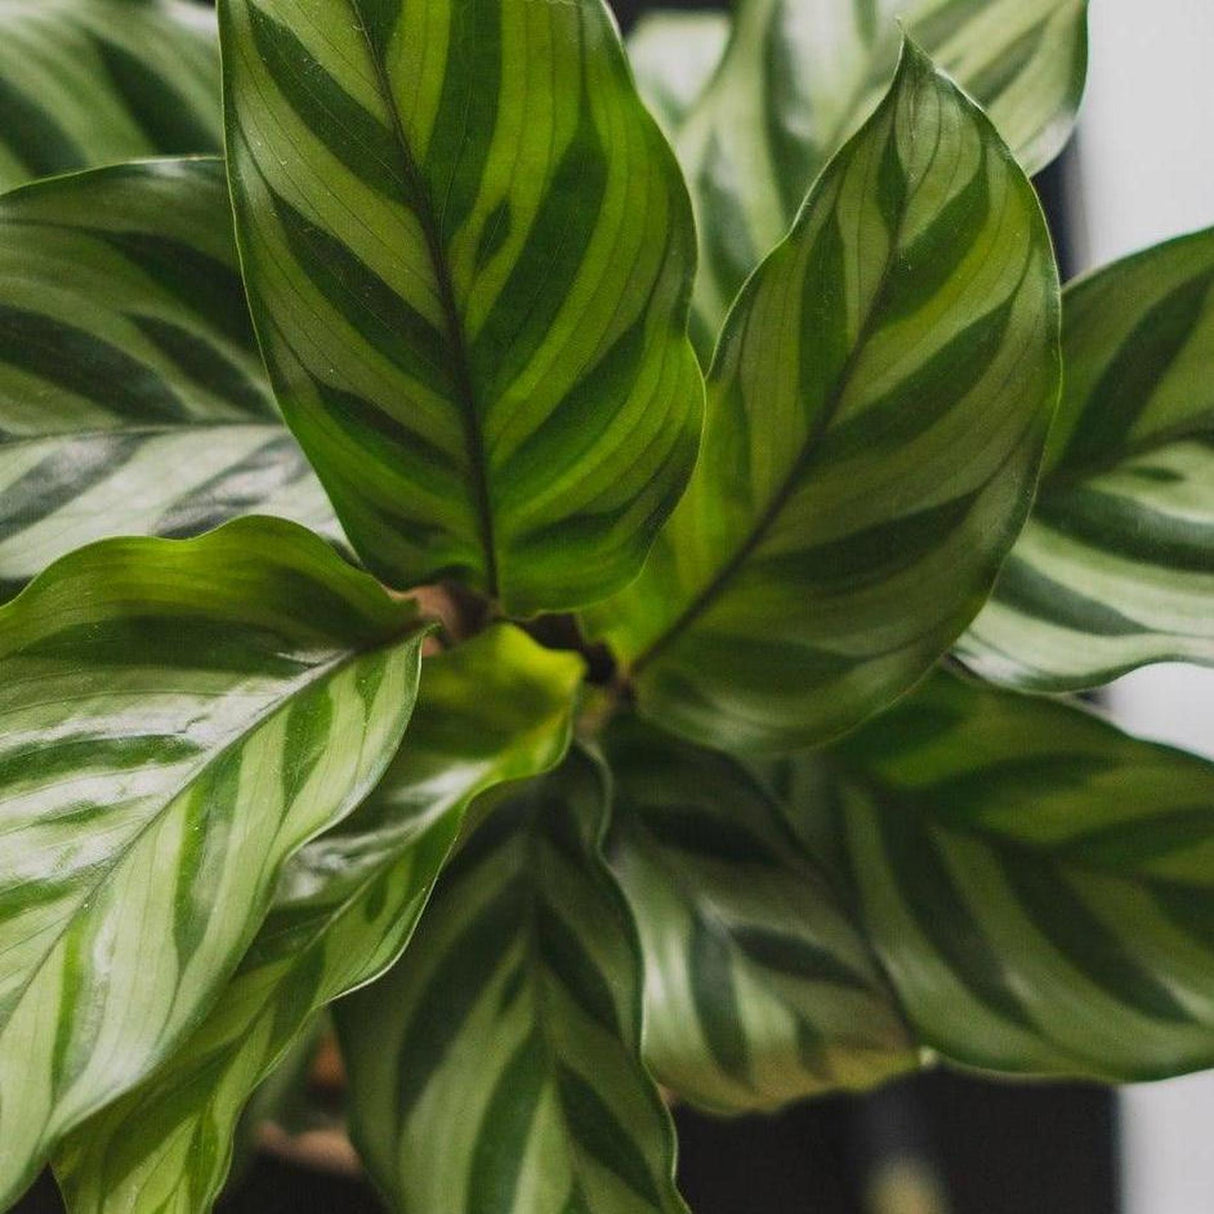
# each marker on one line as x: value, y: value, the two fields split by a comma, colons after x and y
x: 469, y: 252
x: 90, y: 82
x: 497, y: 1066
x: 179, y: 717
x: 497, y: 708
x: 1116, y: 566
x: 877, y: 411
x: 132, y: 397
x: 800, y: 76
x: 759, y: 988
x: 1038, y: 885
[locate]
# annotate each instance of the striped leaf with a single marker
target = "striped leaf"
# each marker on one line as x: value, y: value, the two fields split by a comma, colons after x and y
x: 92, y: 82
x: 673, y: 55
x: 132, y: 398
x: 496, y: 1067
x: 1116, y: 566
x: 877, y: 411
x: 469, y: 252
x: 800, y: 76
x: 179, y: 717
x: 498, y: 708
x: 759, y: 989
x: 1037, y: 884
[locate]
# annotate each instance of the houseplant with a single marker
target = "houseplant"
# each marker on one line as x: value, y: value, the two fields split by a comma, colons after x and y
x: 599, y: 705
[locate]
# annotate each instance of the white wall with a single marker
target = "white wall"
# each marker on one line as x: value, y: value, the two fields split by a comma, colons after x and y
x: 1145, y: 170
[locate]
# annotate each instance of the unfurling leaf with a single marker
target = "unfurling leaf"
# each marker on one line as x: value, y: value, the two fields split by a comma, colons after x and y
x: 759, y: 987
x: 877, y: 412
x: 179, y: 718
x: 497, y: 708
x: 497, y: 1066
x: 469, y: 253
x: 132, y: 397
x: 1116, y: 566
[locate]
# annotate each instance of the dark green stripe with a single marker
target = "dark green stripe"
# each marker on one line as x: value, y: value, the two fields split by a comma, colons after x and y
x: 691, y: 831
x: 466, y: 120
x: 205, y: 833
x: 1136, y: 842
x: 927, y: 891
x: 862, y: 558
x: 598, y: 1132
x: 204, y: 364
x: 959, y: 799
x: 176, y: 642
x: 1006, y: 67
x: 921, y: 269
x: 796, y: 957
x: 451, y: 992
x: 548, y: 262
x: 1134, y: 375
x: 169, y: 121
x: 86, y: 752
x: 713, y: 991
x: 1024, y: 588
x: 244, y: 487
x: 502, y: 1137
x: 36, y: 139
x: 356, y: 137
x: 203, y: 285
x: 76, y: 465
x: 566, y: 956
x: 1126, y: 528
x: 309, y: 725
x: 1084, y: 940
x: 930, y: 393
x: 79, y: 362
x: 377, y: 313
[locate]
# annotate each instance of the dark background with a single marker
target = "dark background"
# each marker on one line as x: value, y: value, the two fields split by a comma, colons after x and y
x: 996, y: 1148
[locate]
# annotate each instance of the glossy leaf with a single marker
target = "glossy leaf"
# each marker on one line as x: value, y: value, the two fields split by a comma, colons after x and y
x: 877, y: 411
x: 469, y: 251
x: 800, y: 76
x: 179, y: 717
x: 497, y: 708
x: 1037, y: 884
x: 673, y: 55
x: 497, y: 1066
x: 759, y: 989
x: 132, y: 397
x: 1116, y: 566
x: 92, y: 82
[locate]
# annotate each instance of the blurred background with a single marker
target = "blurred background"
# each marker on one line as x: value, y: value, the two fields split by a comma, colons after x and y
x: 1140, y: 170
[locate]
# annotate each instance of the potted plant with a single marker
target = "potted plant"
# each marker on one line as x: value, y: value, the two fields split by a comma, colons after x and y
x: 577, y: 570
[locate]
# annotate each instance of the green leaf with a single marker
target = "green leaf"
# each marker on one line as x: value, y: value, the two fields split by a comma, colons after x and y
x: 469, y: 251
x: 497, y: 708
x: 673, y: 56
x: 179, y: 717
x: 877, y: 411
x: 759, y: 988
x: 800, y: 76
x: 91, y: 82
x: 1116, y: 566
x: 132, y: 397
x: 496, y: 1067
x: 1037, y: 884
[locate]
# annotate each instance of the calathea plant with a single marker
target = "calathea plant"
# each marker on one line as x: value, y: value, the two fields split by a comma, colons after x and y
x: 569, y: 703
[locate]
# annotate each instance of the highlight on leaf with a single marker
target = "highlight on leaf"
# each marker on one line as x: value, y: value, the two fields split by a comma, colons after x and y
x: 132, y: 397
x: 171, y: 709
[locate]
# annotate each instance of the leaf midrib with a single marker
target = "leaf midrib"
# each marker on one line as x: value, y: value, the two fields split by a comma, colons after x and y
x: 474, y: 441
